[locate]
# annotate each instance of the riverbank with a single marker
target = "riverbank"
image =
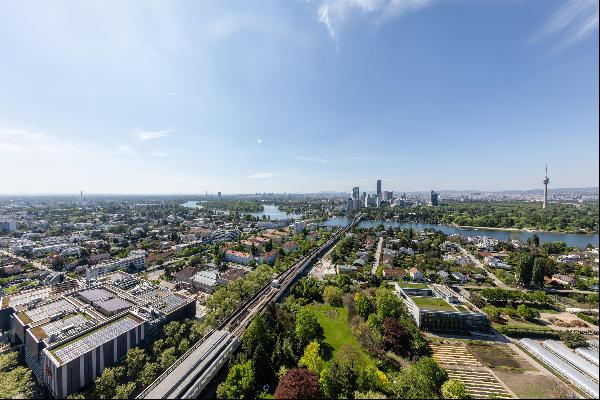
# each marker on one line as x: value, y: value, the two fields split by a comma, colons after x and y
x: 571, y: 239
x: 497, y: 229
x: 529, y: 230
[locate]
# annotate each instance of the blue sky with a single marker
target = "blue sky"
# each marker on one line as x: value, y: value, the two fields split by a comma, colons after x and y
x: 297, y: 96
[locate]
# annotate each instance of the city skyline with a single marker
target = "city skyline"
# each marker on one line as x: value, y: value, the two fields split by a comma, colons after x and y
x: 298, y: 97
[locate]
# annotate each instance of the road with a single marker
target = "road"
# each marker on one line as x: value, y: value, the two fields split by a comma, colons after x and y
x: 377, y: 256
x: 478, y: 263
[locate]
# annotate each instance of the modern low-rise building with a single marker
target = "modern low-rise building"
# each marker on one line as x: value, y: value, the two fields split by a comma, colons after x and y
x: 436, y: 308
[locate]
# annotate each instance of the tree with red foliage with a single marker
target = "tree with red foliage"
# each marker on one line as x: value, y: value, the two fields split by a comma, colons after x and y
x: 395, y: 337
x: 298, y: 383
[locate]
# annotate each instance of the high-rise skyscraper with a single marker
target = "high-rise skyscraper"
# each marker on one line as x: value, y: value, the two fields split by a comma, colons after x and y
x: 379, y: 187
x: 355, y: 193
x: 546, y: 182
x: 434, y: 199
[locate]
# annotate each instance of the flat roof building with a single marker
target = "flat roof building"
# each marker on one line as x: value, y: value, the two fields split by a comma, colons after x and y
x: 70, y: 333
x: 437, y: 309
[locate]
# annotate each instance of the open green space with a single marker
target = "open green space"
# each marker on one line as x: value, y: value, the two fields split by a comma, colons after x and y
x: 334, y: 321
x: 413, y: 285
x: 432, y: 303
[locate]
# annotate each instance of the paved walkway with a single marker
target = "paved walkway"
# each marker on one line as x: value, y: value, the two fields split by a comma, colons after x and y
x: 323, y: 267
x: 377, y: 256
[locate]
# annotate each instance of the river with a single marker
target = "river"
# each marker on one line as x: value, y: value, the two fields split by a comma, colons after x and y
x: 271, y: 211
x: 571, y: 239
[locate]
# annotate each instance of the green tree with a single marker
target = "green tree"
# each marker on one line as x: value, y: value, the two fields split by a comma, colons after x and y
x: 15, y: 381
x: 345, y: 374
x: 388, y: 304
x: 124, y: 391
x: 527, y: 313
x: 493, y: 313
x: 167, y: 358
x: 135, y: 361
x: 539, y: 271
x: 307, y: 326
x: 362, y: 305
x: 525, y: 268
x: 311, y: 358
x: 239, y: 383
x: 106, y: 384
x: 534, y: 240
x: 422, y: 380
x: 454, y: 389
x: 333, y: 296
x: 149, y: 373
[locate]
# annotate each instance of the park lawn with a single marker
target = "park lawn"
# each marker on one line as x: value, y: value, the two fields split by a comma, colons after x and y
x: 334, y: 321
x: 432, y: 303
x: 413, y: 285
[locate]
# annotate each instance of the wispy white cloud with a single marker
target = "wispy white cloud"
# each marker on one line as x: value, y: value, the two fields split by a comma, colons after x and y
x: 8, y: 147
x: 144, y: 136
x: 333, y: 13
x: 266, y: 175
x: 259, y: 141
x: 21, y: 134
x: 160, y: 154
x: 123, y: 150
x: 317, y: 160
x: 171, y: 93
x: 571, y: 22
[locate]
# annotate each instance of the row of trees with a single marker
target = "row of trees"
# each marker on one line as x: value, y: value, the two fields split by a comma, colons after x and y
x: 143, y: 364
x: 503, y: 296
x: 557, y: 217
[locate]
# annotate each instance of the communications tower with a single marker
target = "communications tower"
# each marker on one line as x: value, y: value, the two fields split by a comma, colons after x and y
x: 546, y: 181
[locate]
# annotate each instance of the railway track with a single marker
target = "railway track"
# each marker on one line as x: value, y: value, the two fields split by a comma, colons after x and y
x: 203, y: 367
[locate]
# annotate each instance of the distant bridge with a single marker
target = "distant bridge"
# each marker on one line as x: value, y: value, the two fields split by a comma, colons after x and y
x: 192, y: 372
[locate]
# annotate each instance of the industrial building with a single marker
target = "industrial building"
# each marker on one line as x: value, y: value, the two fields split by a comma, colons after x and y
x: 70, y: 332
x: 438, y: 309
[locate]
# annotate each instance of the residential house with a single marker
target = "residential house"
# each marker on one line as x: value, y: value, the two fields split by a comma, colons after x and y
x: 416, y: 275
x: 239, y: 257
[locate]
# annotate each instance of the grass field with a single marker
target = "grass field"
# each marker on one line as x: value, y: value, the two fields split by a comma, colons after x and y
x: 413, y: 285
x: 432, y: 303
x: 334, y: 321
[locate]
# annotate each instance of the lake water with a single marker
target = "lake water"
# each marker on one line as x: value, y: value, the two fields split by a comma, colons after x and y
x: 270, y: 210
x: 571, y: 239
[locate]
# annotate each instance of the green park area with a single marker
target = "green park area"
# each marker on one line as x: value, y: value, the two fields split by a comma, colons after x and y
x: 334, y: 321
x: 432, y: 303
